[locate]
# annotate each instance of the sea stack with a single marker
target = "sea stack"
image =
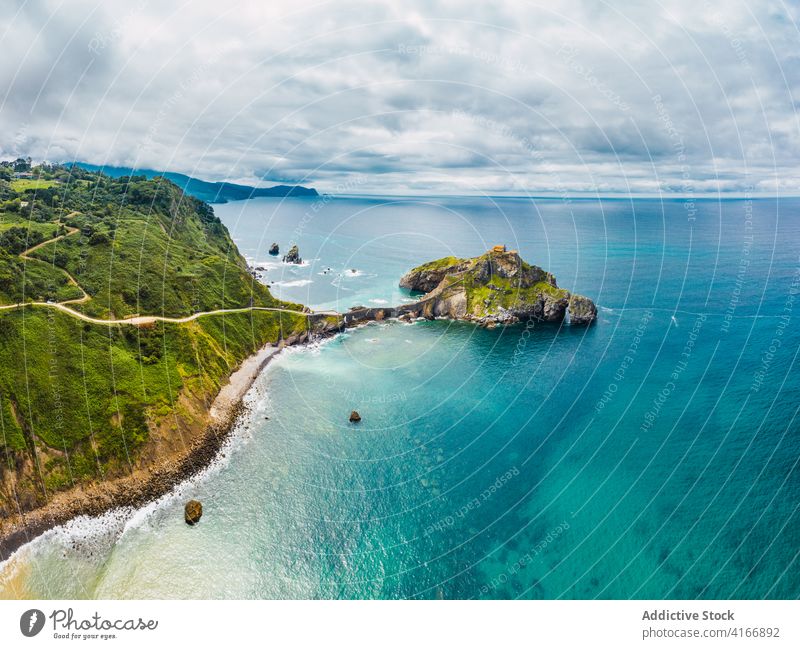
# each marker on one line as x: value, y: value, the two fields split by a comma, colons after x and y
x: 293, y: 256
x: 496, y: 288
x: 581, y: 310
x: 355, y: 417
x: 274, y: 250
x: 193, y: 512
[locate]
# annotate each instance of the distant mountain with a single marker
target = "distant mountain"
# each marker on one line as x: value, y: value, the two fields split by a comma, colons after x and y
x: 204, y: 190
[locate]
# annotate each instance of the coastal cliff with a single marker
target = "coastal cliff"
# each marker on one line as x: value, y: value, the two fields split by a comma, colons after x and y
x: 109, y: 364
x: 497, y: 287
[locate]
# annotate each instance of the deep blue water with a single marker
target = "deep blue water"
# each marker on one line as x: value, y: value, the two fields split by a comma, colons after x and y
x: 651, y: 455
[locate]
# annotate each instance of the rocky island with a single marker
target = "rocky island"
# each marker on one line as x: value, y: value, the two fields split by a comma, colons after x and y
x: 497, y: 287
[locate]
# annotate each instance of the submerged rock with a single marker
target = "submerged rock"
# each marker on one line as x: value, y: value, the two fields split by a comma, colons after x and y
x: 497, y: 287
x: 293, y: 256
x: 274, y: 249
x: 193, y: 512
x: 355, y: 417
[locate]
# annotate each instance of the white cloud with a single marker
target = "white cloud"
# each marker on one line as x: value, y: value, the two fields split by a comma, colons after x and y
x: 416, y: 96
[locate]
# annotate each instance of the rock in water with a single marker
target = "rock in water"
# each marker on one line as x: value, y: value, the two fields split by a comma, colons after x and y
x: 355, y: 417
x: 274, y: 249
x: 193, y: 511
x: 581, y: 310
x: 293, y: 256
x: 496, y: 288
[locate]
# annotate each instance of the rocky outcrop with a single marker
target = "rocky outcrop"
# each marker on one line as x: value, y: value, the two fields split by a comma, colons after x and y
x: 495, y: 288
x: 293, y: 256
x: 581, y: 310
x: 274, y: 250
x: 427, y: 277
x: 192, y: 512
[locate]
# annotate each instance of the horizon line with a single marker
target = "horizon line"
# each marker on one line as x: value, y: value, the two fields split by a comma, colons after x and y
x: 537, y: 194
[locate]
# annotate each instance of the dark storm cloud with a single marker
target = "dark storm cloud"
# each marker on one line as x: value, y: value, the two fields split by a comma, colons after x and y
x: 413, y: 96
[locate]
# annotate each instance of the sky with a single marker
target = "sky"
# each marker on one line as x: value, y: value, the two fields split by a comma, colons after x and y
x: 418, y: 96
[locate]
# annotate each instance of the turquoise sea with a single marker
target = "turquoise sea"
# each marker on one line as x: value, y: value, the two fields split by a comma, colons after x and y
x: 652, y: 455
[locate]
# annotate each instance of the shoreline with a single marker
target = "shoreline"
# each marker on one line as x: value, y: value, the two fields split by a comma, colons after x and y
x: 144, y: 485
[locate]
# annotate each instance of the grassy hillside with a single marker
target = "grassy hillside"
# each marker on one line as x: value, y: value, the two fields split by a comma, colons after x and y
x: 142, y: 246
x: 78, y: 401
x: 81, y: 402
x: 21, y: 185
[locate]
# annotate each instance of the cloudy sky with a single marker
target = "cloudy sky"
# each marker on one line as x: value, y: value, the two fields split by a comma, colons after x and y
x: 418, y: 96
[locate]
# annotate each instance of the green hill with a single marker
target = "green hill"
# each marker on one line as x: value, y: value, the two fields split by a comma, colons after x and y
x: 83, y: 402
x: 211, y: 192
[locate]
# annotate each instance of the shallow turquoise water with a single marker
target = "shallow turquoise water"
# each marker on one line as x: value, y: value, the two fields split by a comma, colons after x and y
x: 652, y: 455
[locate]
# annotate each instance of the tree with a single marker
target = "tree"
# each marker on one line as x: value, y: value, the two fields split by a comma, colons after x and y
x: 98, y: 237
x: 15, y: 240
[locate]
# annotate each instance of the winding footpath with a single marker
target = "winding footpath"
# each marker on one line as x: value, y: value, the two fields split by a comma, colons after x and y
x: 26, y: 256
x: 133, y: 320
x: 144, y: 483
x: 147, y: 319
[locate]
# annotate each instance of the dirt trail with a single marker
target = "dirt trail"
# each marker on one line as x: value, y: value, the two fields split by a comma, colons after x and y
x: 148, y: 319
x: 135, y: 320
x: 26, y: 256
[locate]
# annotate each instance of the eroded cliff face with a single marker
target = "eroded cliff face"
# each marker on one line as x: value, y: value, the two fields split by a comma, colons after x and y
x: 581, y: 310
x: 496, y: 288
x: 427, y: 277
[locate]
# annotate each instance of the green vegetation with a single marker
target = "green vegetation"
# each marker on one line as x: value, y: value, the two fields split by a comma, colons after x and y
x: 85, y: 395
x: 497, y: 285
x: 16, y: 240
x: 23, y: 184
x: 142, y: 245
x: 24, y: 281
x: 81, y: 401
x: 211, y: 192
x: 9, y: 220
x: 438, y: 264
x: 505, y: 293
x: 149, y: 261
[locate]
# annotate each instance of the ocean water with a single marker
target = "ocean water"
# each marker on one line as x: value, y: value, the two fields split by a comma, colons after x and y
x: 652, y: 455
